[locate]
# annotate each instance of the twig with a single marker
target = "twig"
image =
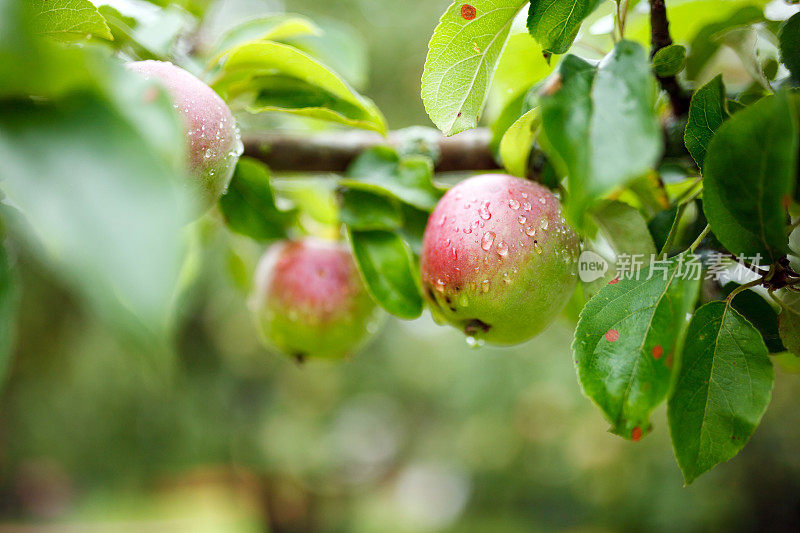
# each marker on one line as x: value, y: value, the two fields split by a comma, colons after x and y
x: 660, y: 38
x: 742, y: 288
x: 333, y: 152
x: 700, y: 238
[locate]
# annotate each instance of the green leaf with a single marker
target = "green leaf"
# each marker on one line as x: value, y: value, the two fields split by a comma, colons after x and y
x: 414, y: 223
x: 341, y: 47
x: 602, y: 129
x: 555, y: 23
x: 138, y: 34
x: 706, y: 114
x: 462, y: 58
x: 277, y: 77
x: 705, y: 44
x: 269, y: 28
x: 521, y: 65
x: 670, y: 60
x: 789, y: 322
x: 249, y: 205
x: 102, y: 207
x: 750, y: 169
x: 723, y: 389
x: 789, y: 42
x: 517, y: 143
x: 9, y: 300
x: 789, y: 330
x: 511, y: 112
x: 68, y: 19
x: 660, y: 226
x: 380, y: 170
x: 760, y: 313
x: 624, y: 228
x: 625, y: 341
x: 365, y: 211
x: 386, y: 264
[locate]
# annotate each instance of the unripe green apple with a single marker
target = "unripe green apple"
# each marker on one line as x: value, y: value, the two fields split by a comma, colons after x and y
x: 499, y: 261
x: 310, y: 301
x: 214, y: 142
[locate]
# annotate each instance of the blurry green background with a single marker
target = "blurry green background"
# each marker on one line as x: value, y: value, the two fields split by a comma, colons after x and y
x: 417, y: 433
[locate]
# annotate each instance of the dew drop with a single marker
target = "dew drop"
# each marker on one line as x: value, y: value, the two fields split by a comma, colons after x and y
x: 542, y: 200
x: 209, y: 153
x: 502, y: 249
x: 442, y: 220
x: 468, y: 230
x: 544, y: 223
x: 487, y: 240
x: 506, y: 278
x: 463, y: 301
x: 454, y: 254
x: 440, y: 285
x: 524, y: 195
x: 447, y: 242
x: 526, y: 206
x: 486, y: 285
x: 530, y: 231
x: 513, y: 204
x: 472, y: 342
x: 522, y: 219
x: 484, y: 211
x: 537, y: 247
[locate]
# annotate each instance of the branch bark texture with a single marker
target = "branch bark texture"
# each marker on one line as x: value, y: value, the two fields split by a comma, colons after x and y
x: 333, y: 152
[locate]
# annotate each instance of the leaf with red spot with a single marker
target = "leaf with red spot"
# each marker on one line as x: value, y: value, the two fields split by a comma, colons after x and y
x: 621, y: 340
x: 462, y: 58
x: 722, y: 390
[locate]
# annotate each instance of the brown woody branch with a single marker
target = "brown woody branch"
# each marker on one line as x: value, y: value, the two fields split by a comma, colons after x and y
x: 661, y: 38
x: 333, y: 152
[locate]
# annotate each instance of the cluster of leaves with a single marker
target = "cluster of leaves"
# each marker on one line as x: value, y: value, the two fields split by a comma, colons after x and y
x: 107, y: 209
x: 600, y: 130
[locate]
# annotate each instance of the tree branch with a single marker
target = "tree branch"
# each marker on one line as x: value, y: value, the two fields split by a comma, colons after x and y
x: 660, y: 38
x: 333, y: 152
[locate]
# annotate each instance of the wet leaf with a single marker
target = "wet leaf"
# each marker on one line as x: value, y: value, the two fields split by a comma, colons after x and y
x: 626, y: 340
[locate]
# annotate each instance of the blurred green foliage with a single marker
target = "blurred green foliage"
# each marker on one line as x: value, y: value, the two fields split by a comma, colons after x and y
x: 420, y: 432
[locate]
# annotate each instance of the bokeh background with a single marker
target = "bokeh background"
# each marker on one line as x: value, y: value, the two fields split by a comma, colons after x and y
x: 104, y: 431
